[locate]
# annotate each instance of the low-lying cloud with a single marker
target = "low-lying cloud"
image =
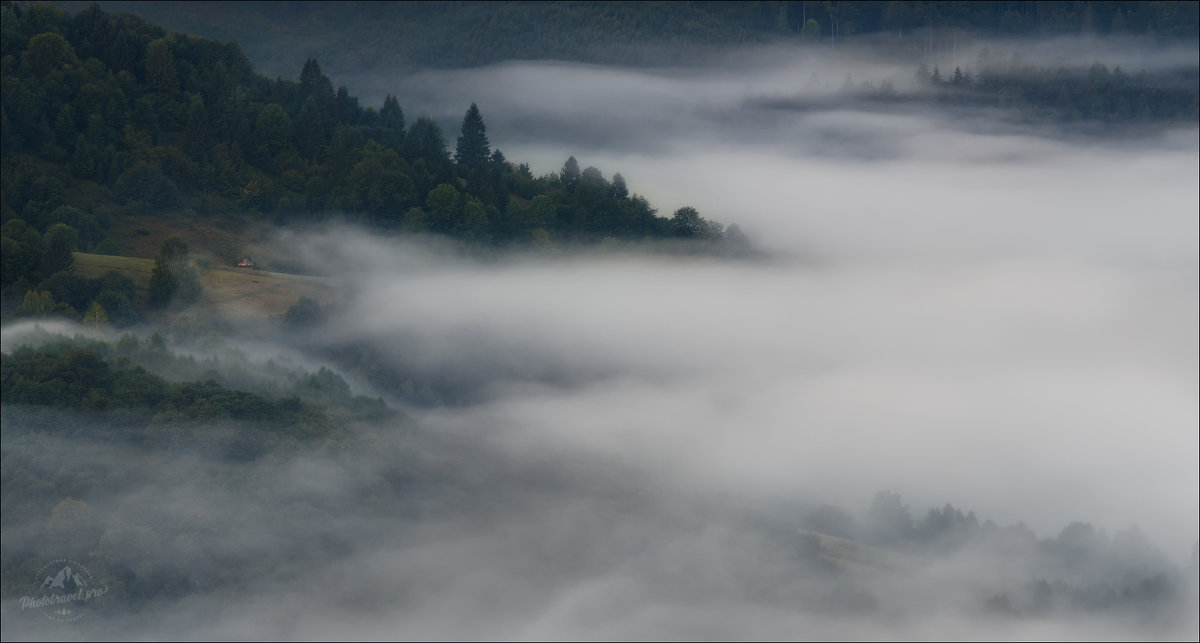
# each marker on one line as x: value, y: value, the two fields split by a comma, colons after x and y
x: 961, y: 315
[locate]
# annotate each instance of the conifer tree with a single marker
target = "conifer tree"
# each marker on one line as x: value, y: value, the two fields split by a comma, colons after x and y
x: 392, y: 116
x: 569, y: 175
x: 473, y: 149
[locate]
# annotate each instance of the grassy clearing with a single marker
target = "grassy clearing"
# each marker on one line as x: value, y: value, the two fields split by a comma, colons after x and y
x: 847, y: 553
x: 256, y: 292
x: 227, y: 291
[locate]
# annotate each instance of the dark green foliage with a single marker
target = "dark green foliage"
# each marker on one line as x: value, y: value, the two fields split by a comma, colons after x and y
x: 391, y: 119
x: 23, y: 254
x: 473, y: 148
x: 171, y: 122
x: 305, y: 313
x: 569, y: 174
x: 173, y: 249
x: 40, y: 303
x: 618, y: 187
x: 174, y: 278
x: 687, y: 223
x: 71, y: 289
x: 426, y: 142
x: 119, y: 307
x: 85, y: 376
x: 146, y: 187
x: 162, y: 284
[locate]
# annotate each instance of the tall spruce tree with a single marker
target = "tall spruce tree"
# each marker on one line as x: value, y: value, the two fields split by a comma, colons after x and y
x: 391, y: 118
x: 473, y: 149
x: 569, y: 174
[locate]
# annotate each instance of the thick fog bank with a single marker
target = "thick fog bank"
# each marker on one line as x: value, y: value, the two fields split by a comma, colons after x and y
x: 952, y: 304
x: 1038, y: 388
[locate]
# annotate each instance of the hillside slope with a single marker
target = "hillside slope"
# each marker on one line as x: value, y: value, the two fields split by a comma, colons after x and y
x: 227, y: 291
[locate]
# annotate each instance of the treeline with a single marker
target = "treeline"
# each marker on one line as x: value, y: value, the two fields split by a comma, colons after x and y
x: 130, y: 402
x: 114, y: 386
x: 34, y: 263
x: 353, y: 36
x: 159, y: 121
x: 1042, y: 94
x: 837, y: 20
x: 90, y: 425
x: 1083, y: 569
x: 1062, y: 96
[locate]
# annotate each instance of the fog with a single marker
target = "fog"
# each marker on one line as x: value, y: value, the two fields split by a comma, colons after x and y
x: 954, y: 309
x: 1020, y: 309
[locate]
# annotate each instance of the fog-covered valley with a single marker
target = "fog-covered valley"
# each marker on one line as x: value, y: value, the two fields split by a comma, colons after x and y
x: 949, y: 307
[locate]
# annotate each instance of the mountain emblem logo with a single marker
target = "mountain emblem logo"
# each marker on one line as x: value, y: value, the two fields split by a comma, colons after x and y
x: 65, y: 580
x: 65, y: 590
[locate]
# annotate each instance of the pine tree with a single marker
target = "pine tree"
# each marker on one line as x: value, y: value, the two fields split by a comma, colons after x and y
x: 315, y: 84
x: 391, y: 117
x: 618, y: 187
x: 473, y: 149
x: 570, y: 173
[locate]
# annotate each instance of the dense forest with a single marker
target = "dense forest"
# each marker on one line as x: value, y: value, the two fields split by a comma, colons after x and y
x: 107, y: 116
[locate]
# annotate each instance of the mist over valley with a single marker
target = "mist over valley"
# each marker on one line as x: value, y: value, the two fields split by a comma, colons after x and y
x: 844, y: 353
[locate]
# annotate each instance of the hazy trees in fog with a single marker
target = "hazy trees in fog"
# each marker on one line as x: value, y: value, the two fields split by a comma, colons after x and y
x: 618, y: 187
x: 1064, y: 95
x: 305, y: 313
x: 569, y: 175
x: 888, y: 520
x: 688, y: 223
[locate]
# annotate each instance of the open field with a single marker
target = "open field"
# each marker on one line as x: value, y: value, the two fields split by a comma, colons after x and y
x: 848, y: 553
x: 227, y: 291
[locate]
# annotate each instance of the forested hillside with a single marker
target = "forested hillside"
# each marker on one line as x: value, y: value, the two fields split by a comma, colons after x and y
x: 109, y: 120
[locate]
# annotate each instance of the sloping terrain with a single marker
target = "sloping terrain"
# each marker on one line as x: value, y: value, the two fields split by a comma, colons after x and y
x: 225, y: 290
